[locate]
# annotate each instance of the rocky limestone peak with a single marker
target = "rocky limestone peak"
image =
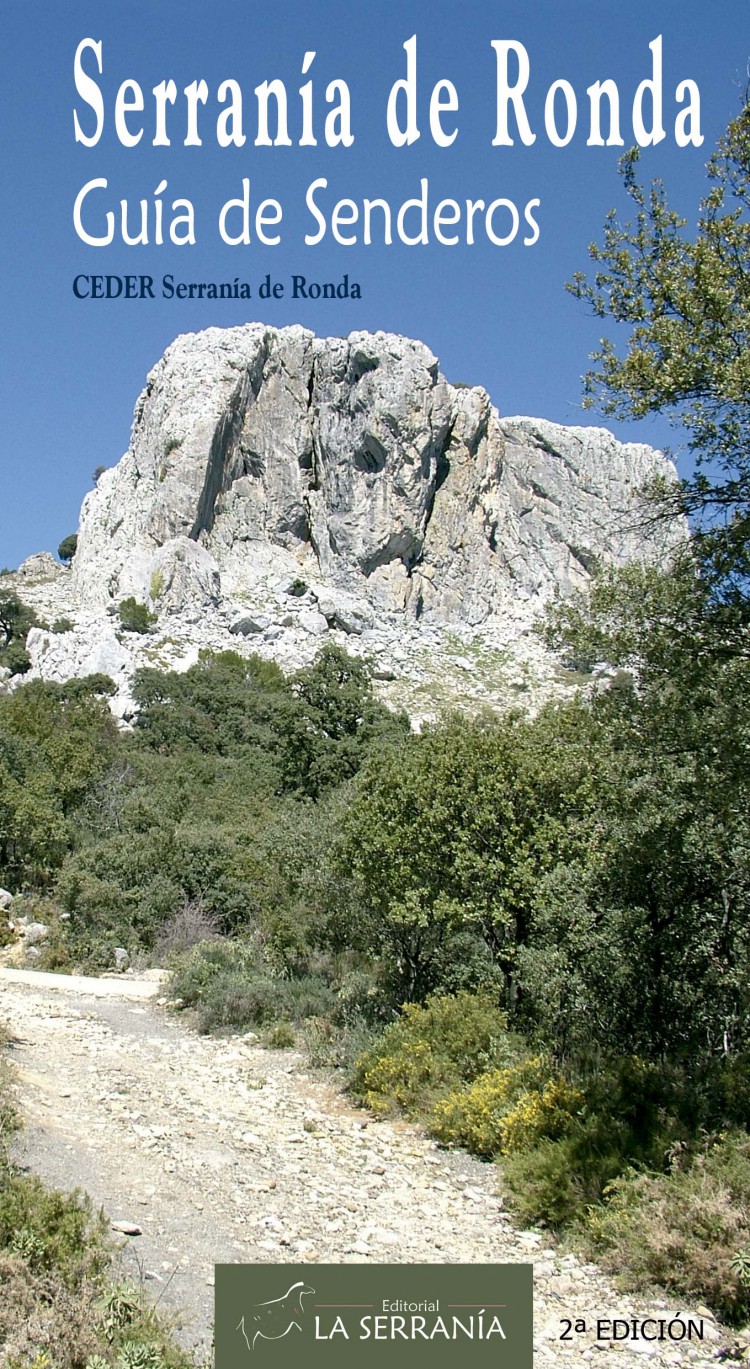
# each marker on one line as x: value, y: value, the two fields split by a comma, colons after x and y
x: 355, y: 459
x: 261, y: 459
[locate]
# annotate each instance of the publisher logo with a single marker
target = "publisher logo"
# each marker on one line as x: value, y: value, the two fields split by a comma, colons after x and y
x: 379, y: 1316
x: 276, y: 1317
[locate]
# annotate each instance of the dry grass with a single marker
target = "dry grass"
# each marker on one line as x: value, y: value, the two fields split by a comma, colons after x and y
x: 39, y: 1314
x: 688, y: 1230
x: 190, y: 925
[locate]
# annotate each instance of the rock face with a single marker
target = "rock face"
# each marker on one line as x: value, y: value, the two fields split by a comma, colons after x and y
x: 278, y: 483
x: 355, y: 460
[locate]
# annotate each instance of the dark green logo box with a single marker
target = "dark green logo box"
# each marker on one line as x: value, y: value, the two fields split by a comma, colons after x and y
x: 391, y: 1316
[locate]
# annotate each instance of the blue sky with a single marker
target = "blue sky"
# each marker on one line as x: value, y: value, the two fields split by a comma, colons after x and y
x: 70, y: 370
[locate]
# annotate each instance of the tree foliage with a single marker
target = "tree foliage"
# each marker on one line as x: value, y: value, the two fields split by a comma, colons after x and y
x: 16, y: 619
x: 335, y: 722
x: 55, y: 743
x: 674, y: 887
x: 211, y: 801
x: 450, y: 833
x: 685, y: 299
x: 68, y: 547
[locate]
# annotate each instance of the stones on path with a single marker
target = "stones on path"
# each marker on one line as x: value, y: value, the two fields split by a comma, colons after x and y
x: 234, y: 1153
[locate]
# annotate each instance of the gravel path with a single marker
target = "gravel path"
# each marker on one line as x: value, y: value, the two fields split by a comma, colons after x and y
x: 222, y: 1151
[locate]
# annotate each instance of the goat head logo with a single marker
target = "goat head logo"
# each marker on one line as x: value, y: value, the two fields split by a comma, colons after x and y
x: 275, y: 1319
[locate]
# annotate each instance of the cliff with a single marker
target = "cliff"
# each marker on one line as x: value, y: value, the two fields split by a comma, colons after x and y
x: 278, y: 486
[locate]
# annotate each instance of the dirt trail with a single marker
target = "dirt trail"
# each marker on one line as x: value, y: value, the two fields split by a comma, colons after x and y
x: 222, y: 1151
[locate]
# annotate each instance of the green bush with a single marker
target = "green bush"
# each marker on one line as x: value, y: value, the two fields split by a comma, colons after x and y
x: 135, y: 617
x: 51, y: 1230
x: 15, y: 658
x: 688, y: 1229
x: 431, y: 1050
x: 628, y: 1113
x: 68, y: 547
x: 156, y: 585
x: 281, y: 1037
x: 240, y: 1000
x: 194, y: 973
x: 230, y: 985
x: 45, y: 1325
x: 556, y: 1181
x: 361, y: 1002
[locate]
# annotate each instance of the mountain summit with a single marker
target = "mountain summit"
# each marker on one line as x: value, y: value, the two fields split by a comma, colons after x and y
x: 280, y: 486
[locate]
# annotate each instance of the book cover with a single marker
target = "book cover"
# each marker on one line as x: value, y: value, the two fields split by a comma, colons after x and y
x: 299, y: 303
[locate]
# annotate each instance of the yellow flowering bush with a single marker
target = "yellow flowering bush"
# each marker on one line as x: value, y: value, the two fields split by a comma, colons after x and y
x: 508, y: 1110
x: 430, y: 1051
x: 398, y: 1081
x: 547, y: 1112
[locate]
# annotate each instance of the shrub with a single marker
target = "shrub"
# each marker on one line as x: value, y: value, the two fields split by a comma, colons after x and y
x: 281, y: 1037
x: 156, y: 585
x: 135, y: 617
x: 688, y: 1229
x: 546, y: 1184
x: 321, y: 1042
x: 15, y: 658
x: 68, y: 547
x: 431, y: 1050
x: 361, y: 1002
x: 238, y: 999
x: 62, y: 625
x: 401, y: 1080
x: 43, y: 1324
x: 51, y: 1230
x: 626, y: 1114
x: 15, y: 622
x: 7, y: 933
x: 230, y: 985
x: 509, y: 1110
x: 195, y: 972
x: 190, y: 926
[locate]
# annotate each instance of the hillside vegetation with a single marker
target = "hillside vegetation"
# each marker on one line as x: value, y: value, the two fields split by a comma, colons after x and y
x: 529, y: 933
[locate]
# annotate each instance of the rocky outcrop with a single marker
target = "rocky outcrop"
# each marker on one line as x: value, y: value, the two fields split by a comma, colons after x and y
x: 42, y: 566
x: 278, y: 486
x: 355, y: 461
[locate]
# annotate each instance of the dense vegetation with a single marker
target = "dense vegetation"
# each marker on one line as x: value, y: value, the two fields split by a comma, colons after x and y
x: 559, y: 901
x: 532, y: 933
